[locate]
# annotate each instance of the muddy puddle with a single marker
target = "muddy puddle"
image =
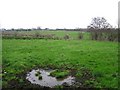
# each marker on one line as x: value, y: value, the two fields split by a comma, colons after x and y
x: 47, y: 80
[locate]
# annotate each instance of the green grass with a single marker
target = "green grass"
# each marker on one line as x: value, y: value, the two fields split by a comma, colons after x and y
x: 60, y: 34
x: 100, y: 57
x: 60, y: 73
x: 57, y: 33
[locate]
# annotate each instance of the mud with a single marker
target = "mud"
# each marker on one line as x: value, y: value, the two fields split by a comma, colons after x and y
x: 47, y: 80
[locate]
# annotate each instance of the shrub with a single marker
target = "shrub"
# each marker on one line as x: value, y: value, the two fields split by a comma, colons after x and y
x: 104, y: 35
x: 80, y: 36
x: 66, y: 37
x: 37, y: 35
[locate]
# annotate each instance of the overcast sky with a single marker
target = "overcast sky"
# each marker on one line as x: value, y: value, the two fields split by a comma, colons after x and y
x: 56, y: 13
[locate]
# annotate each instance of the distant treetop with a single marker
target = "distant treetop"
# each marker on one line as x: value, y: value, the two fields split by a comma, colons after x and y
x: 99, y: 23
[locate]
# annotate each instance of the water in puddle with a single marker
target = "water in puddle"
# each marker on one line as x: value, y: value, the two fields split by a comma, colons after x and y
x: 47, y: 80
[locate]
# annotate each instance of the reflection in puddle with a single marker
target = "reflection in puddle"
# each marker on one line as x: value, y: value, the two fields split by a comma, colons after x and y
x: 47, y: 80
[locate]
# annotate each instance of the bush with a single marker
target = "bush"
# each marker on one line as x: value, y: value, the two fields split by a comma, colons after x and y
x: 104, y: 35
x: 66, y: 37
x: 80, y: 36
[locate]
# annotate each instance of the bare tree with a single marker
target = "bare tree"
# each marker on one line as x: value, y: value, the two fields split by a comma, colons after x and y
x: 99, y: 23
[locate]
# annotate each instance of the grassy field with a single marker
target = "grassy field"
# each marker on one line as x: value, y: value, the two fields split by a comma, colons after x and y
x: 56, y: 34
x: 100, y: 57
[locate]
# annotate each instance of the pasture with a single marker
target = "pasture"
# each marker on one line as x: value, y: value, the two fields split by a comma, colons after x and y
x: 99, y: 59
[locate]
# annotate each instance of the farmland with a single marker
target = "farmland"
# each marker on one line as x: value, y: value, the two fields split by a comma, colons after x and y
x: 100, y: 58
